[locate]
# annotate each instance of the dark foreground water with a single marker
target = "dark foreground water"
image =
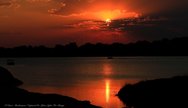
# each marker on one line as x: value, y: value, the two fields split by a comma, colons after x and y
x: 97, y: 79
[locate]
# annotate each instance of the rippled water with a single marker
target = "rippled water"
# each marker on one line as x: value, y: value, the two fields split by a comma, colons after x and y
x: 97, y: 79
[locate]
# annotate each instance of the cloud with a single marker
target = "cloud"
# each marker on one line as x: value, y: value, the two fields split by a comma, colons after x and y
x: 118, y: 8
x: 80, y: 7
x: 147, y: 27
x: 90, y: 9
x: 90, y: 25
x: 150, y: 28
x: 66, y: 8
x: 34, y: 1
x: 9, y: 4
x: 4, y: 3
x: 156, y: 6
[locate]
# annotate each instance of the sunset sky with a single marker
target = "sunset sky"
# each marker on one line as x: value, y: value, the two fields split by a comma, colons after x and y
x: 51, y: 22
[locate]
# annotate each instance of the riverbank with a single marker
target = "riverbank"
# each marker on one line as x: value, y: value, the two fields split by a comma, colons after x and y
x: 158, y: 93
x: 12, y: 96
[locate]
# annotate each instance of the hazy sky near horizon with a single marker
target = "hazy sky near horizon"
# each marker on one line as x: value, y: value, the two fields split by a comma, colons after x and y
x: 51, y: 22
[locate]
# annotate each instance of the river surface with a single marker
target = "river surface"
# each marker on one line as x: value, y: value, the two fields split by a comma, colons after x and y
x: 96, y: 79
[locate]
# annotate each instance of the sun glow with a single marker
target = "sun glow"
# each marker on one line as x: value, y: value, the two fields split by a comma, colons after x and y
x: 107, y: 69
x: 108, y: 20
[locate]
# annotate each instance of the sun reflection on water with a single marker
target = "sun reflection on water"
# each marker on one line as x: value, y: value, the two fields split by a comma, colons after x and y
x: 107, y: 89
x: 107, y: 69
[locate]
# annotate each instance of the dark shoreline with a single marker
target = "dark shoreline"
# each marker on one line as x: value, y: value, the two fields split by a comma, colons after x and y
x: 158, y: 93
x: 12, y: 96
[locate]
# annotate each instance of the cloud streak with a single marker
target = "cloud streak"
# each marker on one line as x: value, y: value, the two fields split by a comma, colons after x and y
x: 9, y: 4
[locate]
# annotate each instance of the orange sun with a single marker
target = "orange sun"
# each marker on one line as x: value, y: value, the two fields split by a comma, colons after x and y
x: 108, y: 20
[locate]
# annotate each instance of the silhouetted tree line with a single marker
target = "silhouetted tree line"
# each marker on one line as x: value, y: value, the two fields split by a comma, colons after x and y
x: 164, y: 47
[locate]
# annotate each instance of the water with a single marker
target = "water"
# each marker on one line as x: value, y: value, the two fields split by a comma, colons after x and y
x: 97, y: 79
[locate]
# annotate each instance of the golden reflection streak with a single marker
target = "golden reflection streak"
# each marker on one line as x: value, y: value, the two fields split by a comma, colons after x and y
x: 107, y: 85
